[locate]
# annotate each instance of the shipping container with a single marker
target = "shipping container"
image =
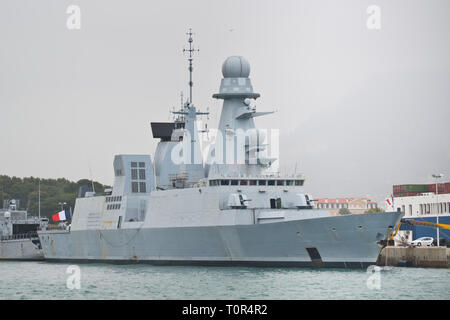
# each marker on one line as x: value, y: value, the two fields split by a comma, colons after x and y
x: 442, y: 187
x: 408, y: 190
x: 398, y: 189
x: 416, y: 188
x: 407, y: 194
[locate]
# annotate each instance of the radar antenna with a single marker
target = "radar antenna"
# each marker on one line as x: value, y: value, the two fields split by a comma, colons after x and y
x: 191, y: 50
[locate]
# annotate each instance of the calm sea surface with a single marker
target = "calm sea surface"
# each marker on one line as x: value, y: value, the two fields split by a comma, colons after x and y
x: 42, y: 280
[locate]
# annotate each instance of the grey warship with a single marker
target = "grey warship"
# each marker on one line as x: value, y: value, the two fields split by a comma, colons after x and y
x: 225, y: 205
x: 18, y: 233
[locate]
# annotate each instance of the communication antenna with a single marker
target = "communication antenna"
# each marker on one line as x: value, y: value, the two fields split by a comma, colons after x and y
x: 191, y: 51
x: 92, y: 180
x: 39, y: 200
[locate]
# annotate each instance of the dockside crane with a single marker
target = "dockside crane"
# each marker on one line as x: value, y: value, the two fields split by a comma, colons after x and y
x: 418, y: 223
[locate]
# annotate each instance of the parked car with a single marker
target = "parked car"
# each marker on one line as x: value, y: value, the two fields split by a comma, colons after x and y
x: 424, y: 241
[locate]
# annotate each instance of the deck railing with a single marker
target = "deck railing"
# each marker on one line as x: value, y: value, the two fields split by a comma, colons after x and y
x: 28, y: 235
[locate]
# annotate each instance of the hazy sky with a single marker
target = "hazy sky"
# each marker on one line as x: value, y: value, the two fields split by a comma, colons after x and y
x: 358, y: 110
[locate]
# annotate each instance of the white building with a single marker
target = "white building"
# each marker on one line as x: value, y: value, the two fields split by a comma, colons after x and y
x: 425, y: 207
x: 422, y: 206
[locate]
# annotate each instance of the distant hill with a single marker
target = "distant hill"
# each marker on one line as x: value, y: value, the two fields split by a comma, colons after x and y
x: 53, y: 191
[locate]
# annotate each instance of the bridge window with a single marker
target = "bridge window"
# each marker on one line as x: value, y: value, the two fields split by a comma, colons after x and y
x: 139, y: 175
x: 224, y: 182
x: 280, y: 182
x: 234, y: 182
x: 298, y: 182
x: 271, y: 182
x: 289, y: 182
x: 244, y: 182
x: 213, y: 183
x: 253, y: 182
x: 262, y: 182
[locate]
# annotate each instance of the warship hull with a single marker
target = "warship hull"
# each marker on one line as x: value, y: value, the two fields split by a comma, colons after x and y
x: 339, y: 241
x: 20, y: 249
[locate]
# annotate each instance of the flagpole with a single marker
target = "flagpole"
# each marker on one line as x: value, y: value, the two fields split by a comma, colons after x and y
x: 39, y: 206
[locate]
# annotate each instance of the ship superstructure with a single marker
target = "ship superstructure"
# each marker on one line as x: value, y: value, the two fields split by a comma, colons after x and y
x: 18, y: 233
x: 221, y: 205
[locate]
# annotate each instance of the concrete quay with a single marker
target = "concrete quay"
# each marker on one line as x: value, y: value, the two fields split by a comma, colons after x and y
x: 420, y: 257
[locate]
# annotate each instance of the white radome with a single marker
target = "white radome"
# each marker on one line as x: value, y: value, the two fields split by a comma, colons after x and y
x: 236, y: 67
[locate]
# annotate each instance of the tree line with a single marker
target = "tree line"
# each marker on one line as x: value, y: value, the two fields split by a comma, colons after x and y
x: 53, y: 192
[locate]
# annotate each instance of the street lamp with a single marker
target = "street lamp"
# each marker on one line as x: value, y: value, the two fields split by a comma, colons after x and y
x: 437, y: 176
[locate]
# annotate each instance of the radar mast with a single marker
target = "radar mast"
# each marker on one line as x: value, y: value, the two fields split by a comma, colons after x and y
x: 191, y: 51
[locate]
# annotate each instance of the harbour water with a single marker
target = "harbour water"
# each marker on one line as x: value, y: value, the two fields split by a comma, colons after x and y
x: 43, y: 280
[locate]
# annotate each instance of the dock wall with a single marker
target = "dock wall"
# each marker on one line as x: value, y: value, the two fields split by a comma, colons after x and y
x: 421, y: 257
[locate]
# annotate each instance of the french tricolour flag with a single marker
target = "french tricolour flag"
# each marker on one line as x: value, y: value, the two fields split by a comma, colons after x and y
x: 60, y: 216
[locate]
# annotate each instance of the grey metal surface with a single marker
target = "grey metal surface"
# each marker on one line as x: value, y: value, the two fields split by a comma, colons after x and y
x: 185, y: 216
x: 20, y: 249
x: 341, y: 241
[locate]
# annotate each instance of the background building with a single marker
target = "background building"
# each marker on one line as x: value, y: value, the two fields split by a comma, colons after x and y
x: 355, y: 205
x: 421, y: 202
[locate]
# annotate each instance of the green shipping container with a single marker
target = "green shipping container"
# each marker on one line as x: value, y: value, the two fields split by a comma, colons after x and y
x: 416, y: 188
